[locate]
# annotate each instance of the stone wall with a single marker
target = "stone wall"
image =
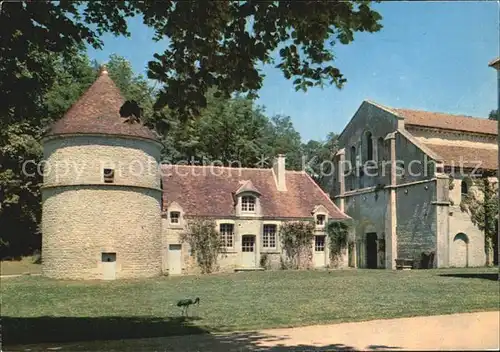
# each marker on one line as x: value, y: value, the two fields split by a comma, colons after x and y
x: 81, y: 160
x: 81, y: 222
x: 370, y: 213
x: 379, y: 123
x: 231, y: 259
x: 416, y: 220
x: 83, y: 217
x: 474, y: 255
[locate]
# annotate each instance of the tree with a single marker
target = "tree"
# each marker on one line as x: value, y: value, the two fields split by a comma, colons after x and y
x: 482, y: 206
x: 20, y: 149
x: 493, y: 115
x: 319, y: 160
x: 217, y: 44
x: 282, y: 138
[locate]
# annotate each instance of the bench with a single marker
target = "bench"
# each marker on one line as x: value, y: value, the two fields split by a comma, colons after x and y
x: 404, y: 264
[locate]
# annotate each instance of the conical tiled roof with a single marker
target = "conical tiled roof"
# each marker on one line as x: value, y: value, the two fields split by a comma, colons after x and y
x: 98, y: 112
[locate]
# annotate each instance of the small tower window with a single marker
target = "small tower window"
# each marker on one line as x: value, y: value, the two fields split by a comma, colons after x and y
x: 248, y: 203
x: 109, y: 175
x: 174, y: 217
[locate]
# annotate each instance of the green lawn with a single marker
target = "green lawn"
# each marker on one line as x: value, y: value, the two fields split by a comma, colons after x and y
x: 19, y: 267
x: 35, y: 309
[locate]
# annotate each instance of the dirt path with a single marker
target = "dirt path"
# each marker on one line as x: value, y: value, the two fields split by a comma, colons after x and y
x: 470, y: 331
x: 445, y: 332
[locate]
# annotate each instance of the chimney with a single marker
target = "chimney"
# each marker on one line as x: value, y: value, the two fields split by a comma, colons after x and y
x: 279, y: 172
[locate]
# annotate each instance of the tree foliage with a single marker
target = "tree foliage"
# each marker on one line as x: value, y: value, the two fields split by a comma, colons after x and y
x: 218, y: 44
x: 319, y: 159
x: 482, y: 205
x: 493, y: 115
x: 205, y: 242
x: 296, y: 239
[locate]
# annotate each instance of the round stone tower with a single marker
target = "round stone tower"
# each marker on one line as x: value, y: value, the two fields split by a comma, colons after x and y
x: 101, y: 215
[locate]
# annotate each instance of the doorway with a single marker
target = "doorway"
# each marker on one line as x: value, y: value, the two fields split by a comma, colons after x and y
x: 174, y: 259
x: 108, y: 261
x: 248, y: 251
x: 319, y: 251
x: 371, y: 250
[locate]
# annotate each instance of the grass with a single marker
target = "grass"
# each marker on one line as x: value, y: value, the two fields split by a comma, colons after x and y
x: 19, y: 267
x: 36, y: 309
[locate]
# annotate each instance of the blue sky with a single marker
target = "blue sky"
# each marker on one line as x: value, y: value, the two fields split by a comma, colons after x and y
x: 429, y: 55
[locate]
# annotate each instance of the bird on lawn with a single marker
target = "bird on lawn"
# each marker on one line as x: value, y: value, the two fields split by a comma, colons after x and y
x: 185, y: 303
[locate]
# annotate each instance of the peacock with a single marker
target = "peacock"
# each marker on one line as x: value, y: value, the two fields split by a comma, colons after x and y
x: 185, y: 303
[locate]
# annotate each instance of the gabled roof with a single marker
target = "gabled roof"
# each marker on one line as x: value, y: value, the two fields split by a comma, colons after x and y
x: 208, y: 191
x: 447, y: 121
x: 98, y: 112
x: 247, y: 187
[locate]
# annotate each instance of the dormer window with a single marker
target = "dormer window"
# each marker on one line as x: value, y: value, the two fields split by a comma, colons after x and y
x: 248, y: 203
x: 320, y: 220
x: 174, y: 217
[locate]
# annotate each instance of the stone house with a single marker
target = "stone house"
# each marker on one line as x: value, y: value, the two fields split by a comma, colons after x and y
x: 401, y: 177
x: 248, y: 206
x: 110, y: 212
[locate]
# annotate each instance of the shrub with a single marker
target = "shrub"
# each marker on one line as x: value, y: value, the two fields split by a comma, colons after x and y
x: 205, y: 242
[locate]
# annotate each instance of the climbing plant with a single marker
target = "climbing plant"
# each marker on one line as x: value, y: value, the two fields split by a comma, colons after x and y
x: 337, y: 238
x: 205, y: 242
x: 296, y: 239
x: 482, y: 206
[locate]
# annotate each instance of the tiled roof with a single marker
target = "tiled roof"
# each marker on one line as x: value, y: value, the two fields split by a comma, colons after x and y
x: 466, y: 156
x: 208, y: 191
x: 447, y: 121
x: 247, y: 187
x: 98, y: 111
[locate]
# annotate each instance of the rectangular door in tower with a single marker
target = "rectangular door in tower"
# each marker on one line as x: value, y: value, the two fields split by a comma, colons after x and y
x: 319, y: 251
x: 248, y: 251
x: 108, y: 262
x: 174, y: 259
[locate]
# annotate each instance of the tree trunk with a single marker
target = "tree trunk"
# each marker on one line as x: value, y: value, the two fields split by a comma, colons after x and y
x: 489, y: 251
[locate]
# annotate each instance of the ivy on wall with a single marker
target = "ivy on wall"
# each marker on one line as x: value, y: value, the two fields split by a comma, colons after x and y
x: 205, y: 242
x: 296, y: 238
x: 338, y: 233
x: 482, y: 206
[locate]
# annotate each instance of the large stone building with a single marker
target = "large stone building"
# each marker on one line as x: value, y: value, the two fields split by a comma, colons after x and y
x: 402, y: 175
x: 103, y: 215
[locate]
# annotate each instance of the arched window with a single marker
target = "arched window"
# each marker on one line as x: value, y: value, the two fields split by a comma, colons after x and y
x: 381, y: 149
x: 369, y: 146
x: 353, y: 157
x: 465, y: 187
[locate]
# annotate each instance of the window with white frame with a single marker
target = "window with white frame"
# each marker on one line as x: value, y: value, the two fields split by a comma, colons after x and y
x: 319, y: 243
x: 269, y: 236
x: 320, y: 220
x: 248, y: 203
x: 227, y: 235
x: 174, y: 217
